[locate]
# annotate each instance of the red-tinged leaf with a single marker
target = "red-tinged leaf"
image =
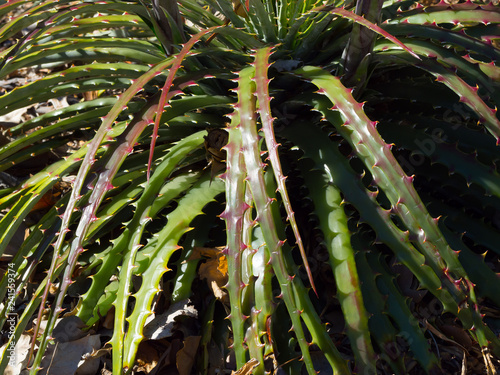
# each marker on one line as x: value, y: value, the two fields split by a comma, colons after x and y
x: 79, y: 182
x: 363, y: 21
x: 168, y: 84
x: 453, y: 16
x: 262, y: 91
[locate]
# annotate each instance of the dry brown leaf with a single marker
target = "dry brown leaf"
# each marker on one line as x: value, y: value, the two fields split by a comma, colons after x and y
x: 458, y: 334
x: 490, y: 368
x: 109, y: 319
x: 247, y: 368
x: 147, y: 357
x: 20, y: 355
x: 408, y: 282
x: 90, y: 95
x: 441, y: 336
x: 162, y: 326
x: 15, y: 116
x: 186, y: 356
x: 72, y: 357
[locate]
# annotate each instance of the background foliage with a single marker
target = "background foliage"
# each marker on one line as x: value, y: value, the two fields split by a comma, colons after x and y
x: 322, y: 174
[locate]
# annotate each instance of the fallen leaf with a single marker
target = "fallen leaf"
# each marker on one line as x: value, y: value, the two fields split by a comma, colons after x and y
x: 458, y: 334
x: 186, y: 356
x: 72, y: 350
x: 214, y: 270
x: 109, y: 320
x: 69, y: 328
x: 408, y: 282
x: 19, y: 355
x: 247, y: 368
x: 161, y: 326
x: 73, y: 357
x: 15, y: 116
x: 443, y: 337
x: 147, y: 357
x: 487, y: 357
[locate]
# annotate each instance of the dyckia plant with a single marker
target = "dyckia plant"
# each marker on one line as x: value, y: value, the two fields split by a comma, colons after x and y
x: 353, y: 146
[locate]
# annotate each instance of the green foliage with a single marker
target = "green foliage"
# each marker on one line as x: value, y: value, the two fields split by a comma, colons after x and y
x: 369, y: 131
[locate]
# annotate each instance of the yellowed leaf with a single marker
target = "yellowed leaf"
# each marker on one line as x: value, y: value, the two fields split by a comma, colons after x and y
x: 222, y: 266
x: 215, y: 279
x: 214, y: 270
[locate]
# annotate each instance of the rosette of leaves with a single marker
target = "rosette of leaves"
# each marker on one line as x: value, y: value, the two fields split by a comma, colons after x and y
x: 370, y: 126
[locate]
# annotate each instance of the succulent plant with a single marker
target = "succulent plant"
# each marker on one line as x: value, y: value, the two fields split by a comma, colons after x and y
x: 366, y: 131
